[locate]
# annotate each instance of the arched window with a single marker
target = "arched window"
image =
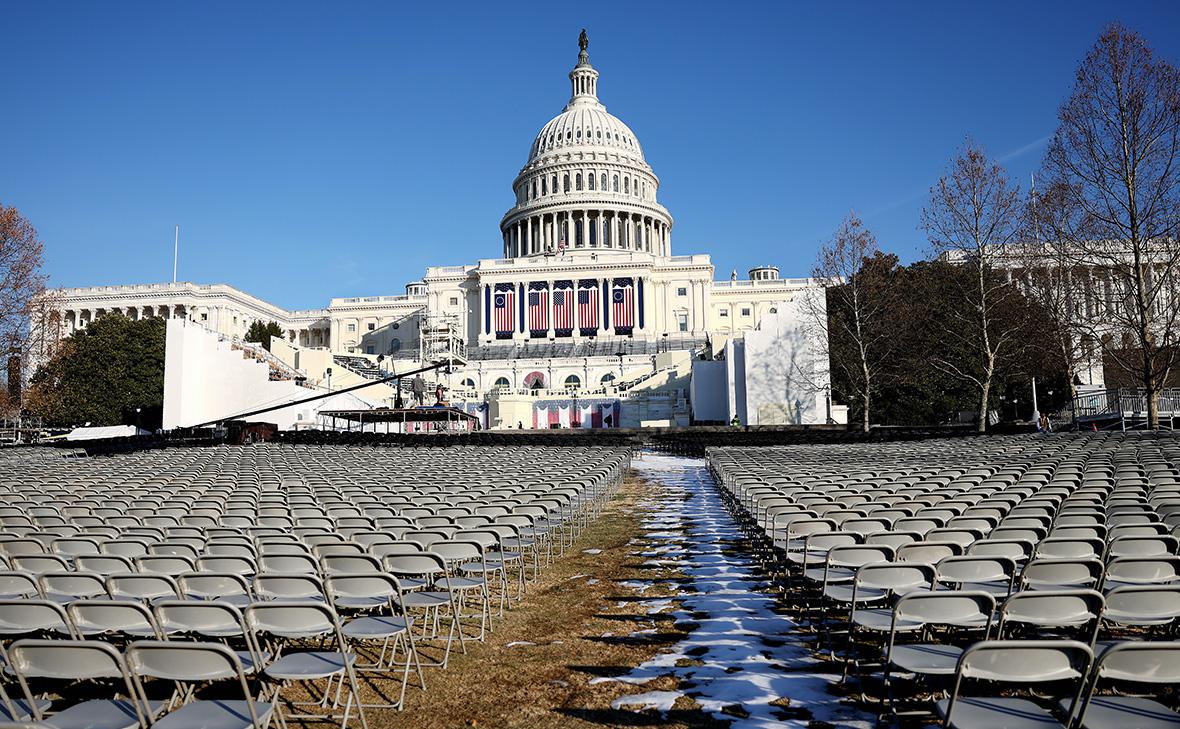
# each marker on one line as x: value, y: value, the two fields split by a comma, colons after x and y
x: 469, y: 383
x: 503, y: 382
x: 578, y: 181
x: 608, y: 378
x: 534, y: 190
x: 579, y: 134
x: 604, y: 182
x: 554, y: 184
x: 544, y: 186
x: 573, y: 382
x: 565, y: 183
x: 600, y: 134
x: 627, y: 185
x: 643, y: 188
x: 590, y: 180
x: 615, y: 180
x: 395, y: 346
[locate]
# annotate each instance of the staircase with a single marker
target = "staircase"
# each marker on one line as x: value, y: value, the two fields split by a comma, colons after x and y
x: 1121, y: 409
x: 362, y: 366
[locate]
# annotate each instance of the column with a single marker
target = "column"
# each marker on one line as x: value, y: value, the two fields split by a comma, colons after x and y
x: 585, y: 228
x: 528, y: 234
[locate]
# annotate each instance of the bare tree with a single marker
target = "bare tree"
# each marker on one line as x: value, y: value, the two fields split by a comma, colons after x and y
x: 1050, y: 276
x: 858, y: 285
x: 27, y: 317
x: 1115, y: 157
x: 973, y: 214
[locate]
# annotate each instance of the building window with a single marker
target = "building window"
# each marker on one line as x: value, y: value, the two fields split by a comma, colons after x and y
x: 604, y: 181
x: 503, y: 382
x: 607, y: 378
x: 774, y: 310
x: 578, y: 181
x: 372, y: 327
x: 369, y: 349
x: 204, y: 317
x: 682, y: 322
x: 615, y: 180
x: 724, y: 313
x: 565, y: 184
x: 454, y: 301
x: 544, y: 186
x: 627, y: 185
x: 573, y: 382
x: 469, y: 383
x: 395, y: 346
x: 682, y: 291
x: 590, y: 180
x: 352, y: 327
x: 745, y: 311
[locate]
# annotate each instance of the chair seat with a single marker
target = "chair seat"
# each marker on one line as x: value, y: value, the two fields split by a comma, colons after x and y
x: 1122, y: 617
x: 100, y: 714
x: 881, y: 619
x: 425, y: 599
x: 361, y: 603
x: 308, y: 664
x: 835, y: 574
x: 460, y: 583
x: 843, y: 593
x: 374, y: 626
x: 480, y: 569
x: 215, y: 715
x: 1125, y: 712
x: 89, y: 629
x: 999, y: 589
x: 21, y: 706
x: 502, y: 556
x: 997, y: 713
x: 926, y: 658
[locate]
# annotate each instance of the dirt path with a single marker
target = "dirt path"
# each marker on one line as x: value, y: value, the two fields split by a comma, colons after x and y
x: 587, y: 618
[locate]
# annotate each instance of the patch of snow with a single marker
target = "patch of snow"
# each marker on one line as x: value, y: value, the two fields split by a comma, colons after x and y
x: 724, y: 597
x: 661, y: 701
x: 591, y: 551
x: 518, y: 643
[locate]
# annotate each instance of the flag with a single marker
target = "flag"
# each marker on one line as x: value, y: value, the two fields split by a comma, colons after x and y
x: 563, y: 307
x: 588, y: 308
x: 538, y: 310
x: 505, y: 302
x: 623, y: 305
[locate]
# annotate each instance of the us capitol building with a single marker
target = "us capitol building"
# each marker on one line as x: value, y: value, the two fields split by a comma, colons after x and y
x: 586, y: 292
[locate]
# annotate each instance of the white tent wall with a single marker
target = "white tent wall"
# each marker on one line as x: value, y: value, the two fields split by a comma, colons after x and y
x: 206, y: 379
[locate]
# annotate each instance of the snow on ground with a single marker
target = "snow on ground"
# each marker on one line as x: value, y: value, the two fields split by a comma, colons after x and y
x: 740, y: 651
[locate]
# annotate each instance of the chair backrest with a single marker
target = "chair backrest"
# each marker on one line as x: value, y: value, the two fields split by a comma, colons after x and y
x: 1052, y: 608
x: 29, y: 616
x: 1142, y: 605
x: 1143, y: 570
x: 288, y: 587
x: 895, y: 577
x: 295, y: 619
x: 138, y: 586
x: 961, y: 608
x: 966, y: 569
x: 213, y: 585
x: 111, y: 616
x: 1021, y: 662
x: 1049, y: 572
x: 183, y: 662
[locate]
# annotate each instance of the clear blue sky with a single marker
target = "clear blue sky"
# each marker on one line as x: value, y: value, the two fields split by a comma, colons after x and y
x: 317, y: 149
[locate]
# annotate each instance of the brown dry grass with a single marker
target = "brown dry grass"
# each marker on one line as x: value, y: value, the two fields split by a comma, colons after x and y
x: 579, y: 631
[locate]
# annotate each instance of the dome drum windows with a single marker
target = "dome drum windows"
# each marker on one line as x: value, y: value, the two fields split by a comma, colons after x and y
x: 578, y: 182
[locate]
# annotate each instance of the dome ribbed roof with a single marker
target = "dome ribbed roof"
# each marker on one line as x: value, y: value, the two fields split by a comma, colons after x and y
x: 585, y: 126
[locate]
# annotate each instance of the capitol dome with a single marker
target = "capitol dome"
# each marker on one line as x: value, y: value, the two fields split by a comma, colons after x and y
x: 586, y: 183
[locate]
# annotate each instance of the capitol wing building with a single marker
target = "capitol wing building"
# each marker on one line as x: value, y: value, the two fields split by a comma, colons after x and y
x: 586, y: 311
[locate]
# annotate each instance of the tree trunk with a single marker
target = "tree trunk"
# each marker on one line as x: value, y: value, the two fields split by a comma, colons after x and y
x: 1150, y: 393
x: 864, y: 425
x: 985, y: 390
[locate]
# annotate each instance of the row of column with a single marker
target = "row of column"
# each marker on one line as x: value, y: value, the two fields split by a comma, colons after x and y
x: 75, y: 319
x: 586, y: 229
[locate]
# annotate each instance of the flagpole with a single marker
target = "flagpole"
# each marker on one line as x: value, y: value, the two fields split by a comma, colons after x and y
x: 175, y: 252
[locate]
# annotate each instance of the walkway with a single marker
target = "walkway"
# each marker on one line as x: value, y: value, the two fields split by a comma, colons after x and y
x: 741, y: 661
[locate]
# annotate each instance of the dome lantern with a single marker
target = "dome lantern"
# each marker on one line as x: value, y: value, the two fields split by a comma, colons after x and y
x: 583, y: 79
